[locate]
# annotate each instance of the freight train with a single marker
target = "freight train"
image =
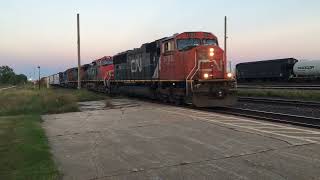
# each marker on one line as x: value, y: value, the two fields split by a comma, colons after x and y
x: 185, y: 68
x: 278, y: 70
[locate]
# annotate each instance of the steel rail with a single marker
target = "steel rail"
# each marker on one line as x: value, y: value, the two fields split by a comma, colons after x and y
x: 292, y: 87
x: 280, y: 101
x: 305, y: 121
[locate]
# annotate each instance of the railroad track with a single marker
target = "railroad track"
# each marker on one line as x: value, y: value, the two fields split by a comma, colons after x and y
x: 2, y: 89
x: 280, y: 101
x: 305, y: 121
x: 288, y: 87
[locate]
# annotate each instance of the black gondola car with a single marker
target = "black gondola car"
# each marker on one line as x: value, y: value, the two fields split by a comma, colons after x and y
x: 268, y: 70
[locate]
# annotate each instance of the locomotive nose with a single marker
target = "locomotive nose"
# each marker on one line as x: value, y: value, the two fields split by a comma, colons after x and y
x: 209, y: 53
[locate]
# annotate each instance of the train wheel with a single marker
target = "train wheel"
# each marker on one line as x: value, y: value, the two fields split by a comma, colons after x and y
x: 107, y: 90
x: 164, y: 99
x: 179, y: 101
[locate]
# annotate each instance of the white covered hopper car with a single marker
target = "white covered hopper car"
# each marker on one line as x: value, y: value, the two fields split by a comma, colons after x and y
x: 307, y: 69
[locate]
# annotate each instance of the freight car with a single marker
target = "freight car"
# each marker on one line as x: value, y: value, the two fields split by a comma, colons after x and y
x: 54, y: 79
x: 307, y: 69
x: 278, y: 70
x: 268, y: 70
x: 184, y: 68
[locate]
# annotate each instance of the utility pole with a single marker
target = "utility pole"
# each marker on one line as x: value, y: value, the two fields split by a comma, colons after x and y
x: 39, y: 77
x: 79, y: 64
x: 225, y: 42
x: 34, y: 78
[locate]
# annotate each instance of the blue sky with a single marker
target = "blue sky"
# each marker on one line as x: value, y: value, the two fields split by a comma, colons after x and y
x: 43, y: 33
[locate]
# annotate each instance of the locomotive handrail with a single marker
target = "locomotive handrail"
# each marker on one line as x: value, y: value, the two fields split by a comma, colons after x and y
x: 199, y: 63
x: 107, y: 81
x: 195, y: 64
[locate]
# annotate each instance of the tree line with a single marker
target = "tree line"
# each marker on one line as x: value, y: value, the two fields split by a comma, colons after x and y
x: 7, y: 76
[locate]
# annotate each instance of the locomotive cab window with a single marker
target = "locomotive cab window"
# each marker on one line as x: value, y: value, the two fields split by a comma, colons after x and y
x: 184, y: 44
x: 210, y: 42
x: 97, y: 63
x: 168, y: 46
x: 106, y: 63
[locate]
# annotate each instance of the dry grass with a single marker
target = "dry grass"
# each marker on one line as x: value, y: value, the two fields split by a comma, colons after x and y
x: 26, y: 101
x: 30, y: 101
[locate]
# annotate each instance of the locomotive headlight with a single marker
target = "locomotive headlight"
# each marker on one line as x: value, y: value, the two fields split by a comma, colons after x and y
x: 206, y: 75
x: 211, y: 50
x: 229, y: 75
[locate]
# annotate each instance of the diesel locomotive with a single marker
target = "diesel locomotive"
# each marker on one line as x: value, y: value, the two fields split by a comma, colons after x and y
x: 185, y: 68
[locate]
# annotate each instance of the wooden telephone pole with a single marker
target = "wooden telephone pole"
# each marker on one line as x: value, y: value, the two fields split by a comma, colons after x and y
x: 39, y: 79
x: 225, y: 42
x: 79, y: 63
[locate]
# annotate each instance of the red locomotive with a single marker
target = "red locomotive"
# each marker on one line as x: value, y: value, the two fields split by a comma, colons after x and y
x: 93, y: 75
x: 196, y: 60
x: 187, y: 67
x: 99, y: 73
x: 104, y: 67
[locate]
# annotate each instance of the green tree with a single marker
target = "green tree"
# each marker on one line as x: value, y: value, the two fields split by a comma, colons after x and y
x: 20, y: 79
x: 6, y: 75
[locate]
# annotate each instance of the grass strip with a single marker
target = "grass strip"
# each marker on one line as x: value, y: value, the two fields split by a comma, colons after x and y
x: 308, y: 95
x: 24, y: 149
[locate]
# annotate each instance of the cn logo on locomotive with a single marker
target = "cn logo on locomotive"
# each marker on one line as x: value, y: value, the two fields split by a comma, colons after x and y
x: 136, y: 64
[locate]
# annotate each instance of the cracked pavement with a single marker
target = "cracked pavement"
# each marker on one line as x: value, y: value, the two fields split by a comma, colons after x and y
x: 154, y: 141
